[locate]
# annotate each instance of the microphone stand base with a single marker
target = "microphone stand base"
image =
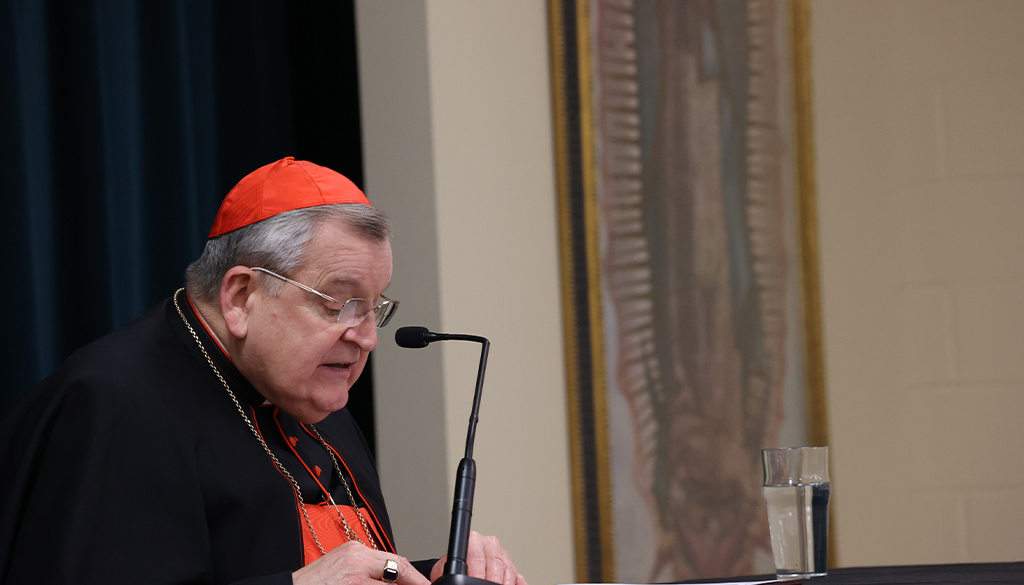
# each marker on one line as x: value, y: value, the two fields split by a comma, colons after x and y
x: 462, y: 580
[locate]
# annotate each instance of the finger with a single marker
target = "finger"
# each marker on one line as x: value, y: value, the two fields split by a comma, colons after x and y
x: 520, y: 580
x: 497, y: 560
x: 354, y: 563
x: 438, y: 569
x: 510, y: 574
x: 407, y: 574
x: 476, y: 557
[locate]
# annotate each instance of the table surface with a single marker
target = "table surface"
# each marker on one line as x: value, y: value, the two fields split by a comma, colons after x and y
x: 910, y: 575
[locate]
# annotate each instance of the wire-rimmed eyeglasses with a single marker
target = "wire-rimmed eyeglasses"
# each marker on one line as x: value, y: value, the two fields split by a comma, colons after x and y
x: 352, y: 311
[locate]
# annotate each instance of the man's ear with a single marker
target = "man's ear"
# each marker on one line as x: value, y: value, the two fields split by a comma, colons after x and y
x: 236, y: 288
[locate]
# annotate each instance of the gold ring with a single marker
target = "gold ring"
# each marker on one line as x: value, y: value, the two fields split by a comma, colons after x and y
x: 390, y: 573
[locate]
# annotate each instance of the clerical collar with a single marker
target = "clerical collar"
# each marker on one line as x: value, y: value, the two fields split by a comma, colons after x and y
x: 241, y: 386
x: 206, y: 326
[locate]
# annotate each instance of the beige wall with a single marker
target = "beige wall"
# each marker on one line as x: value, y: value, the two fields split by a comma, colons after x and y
x: 919, y: 110
x: 458, y: 150
x: 920, y: 137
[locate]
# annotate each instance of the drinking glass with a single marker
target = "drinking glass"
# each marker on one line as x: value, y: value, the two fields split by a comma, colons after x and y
x: 796, y: 490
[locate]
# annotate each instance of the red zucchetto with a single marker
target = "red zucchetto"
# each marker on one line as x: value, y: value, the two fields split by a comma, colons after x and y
x: 282, y: 186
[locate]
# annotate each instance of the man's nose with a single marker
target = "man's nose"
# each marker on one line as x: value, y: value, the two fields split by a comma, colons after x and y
x: 364, y: 334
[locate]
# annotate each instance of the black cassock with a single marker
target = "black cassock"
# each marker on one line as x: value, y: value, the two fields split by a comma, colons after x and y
x: 131, y: 464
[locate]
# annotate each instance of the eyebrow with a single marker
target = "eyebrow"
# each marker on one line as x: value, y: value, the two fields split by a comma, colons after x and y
x: 347, y: 281
x: 342, y: 281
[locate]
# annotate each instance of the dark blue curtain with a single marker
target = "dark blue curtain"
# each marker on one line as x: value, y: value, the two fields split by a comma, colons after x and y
x: 122, y: 126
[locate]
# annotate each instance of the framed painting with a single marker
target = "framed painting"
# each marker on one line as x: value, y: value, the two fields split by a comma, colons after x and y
x: 689, y: 274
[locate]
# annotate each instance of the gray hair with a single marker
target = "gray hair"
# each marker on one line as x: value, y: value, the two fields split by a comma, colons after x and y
x: 278, y: 244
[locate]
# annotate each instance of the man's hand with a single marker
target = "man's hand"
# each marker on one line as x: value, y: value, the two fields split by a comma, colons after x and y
x: 354, y: 564
x: 485, y: 559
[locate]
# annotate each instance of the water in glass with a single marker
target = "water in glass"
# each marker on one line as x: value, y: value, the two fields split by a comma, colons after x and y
x: 798, y: 522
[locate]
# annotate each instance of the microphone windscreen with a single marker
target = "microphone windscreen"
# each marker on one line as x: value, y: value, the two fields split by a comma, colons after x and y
x: 412, y: 337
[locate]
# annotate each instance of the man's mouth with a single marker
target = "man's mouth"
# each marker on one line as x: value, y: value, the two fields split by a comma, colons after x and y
x: 340, y: 365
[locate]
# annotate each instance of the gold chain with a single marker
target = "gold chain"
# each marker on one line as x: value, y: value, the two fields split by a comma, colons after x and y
x: 351, y: 534
x: 337, y: 467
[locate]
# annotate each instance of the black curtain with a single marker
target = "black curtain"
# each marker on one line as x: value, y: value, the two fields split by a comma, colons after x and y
x: 122, y: 126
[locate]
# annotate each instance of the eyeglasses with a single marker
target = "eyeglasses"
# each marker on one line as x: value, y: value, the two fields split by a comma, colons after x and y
x: 352, y: 311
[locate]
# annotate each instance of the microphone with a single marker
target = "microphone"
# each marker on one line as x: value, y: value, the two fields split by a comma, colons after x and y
x: 455, y: 569
x: 417, y: 337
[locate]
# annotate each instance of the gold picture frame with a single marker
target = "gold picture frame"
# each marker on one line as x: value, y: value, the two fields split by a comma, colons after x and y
x: 582, y: 68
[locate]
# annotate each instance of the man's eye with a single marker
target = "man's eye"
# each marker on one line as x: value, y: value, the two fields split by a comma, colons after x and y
x: 331, y: 310
x: 362, y: 308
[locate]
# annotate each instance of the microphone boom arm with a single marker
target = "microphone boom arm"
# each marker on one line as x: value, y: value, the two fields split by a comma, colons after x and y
x: 465, y: 478
x: 474, y: 414
x: 455, y: 569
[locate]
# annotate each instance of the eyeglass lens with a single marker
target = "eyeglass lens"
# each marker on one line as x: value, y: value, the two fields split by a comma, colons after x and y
x: 385, y: 311
x: 355, y: 310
